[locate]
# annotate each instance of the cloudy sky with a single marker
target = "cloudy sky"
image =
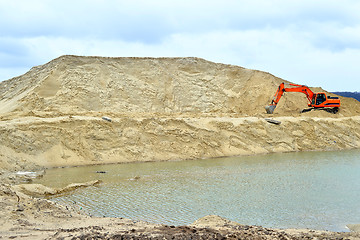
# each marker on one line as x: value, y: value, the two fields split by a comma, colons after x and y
x: 312, y: 42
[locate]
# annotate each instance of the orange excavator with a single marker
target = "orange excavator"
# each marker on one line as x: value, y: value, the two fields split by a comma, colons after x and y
x: 316, y: 100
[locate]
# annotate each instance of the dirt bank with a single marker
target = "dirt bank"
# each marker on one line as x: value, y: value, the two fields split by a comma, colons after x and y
x: 81, y: 140
x: 94, y: 110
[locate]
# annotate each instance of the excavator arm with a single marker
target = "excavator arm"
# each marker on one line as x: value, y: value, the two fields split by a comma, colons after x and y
x: 297, y: 88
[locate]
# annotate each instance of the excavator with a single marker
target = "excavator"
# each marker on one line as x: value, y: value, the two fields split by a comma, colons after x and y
x: 316, y: 100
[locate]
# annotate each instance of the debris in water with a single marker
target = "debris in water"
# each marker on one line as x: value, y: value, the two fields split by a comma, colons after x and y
x: 30, y: 174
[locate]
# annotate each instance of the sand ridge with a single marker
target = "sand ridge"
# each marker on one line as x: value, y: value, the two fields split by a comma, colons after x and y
x: 82, y: 140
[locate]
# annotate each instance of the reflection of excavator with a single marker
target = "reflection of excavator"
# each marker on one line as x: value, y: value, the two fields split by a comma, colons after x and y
x: 316, y: 100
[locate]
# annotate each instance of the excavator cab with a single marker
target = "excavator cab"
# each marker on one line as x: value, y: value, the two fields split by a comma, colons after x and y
x: 321, y: 101
x: 320, y: 98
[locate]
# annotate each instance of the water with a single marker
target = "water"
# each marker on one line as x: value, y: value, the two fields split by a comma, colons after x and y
x: 317, y: 190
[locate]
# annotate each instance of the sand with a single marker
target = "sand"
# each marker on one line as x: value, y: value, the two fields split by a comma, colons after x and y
x: 94, y: 110
x: 81, y: 140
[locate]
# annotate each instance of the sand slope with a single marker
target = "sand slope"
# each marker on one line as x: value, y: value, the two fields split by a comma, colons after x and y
x: 71, y: 84
x: 160, y: 109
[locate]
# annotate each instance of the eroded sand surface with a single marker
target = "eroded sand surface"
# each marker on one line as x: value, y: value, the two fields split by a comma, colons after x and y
x: 93, y: 110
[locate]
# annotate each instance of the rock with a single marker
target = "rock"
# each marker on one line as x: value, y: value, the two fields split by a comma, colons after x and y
x: 213, y: 221
x: 134, y: 178
x: 20, y: 208
x: 39, y: 190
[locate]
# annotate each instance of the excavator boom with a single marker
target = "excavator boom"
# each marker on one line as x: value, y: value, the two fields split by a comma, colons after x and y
x: 316, y: 100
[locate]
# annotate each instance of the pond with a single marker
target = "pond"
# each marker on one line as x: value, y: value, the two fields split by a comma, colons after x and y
x: 317, y: 190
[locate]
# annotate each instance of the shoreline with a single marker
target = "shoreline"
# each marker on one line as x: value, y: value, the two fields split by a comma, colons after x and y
x: 278, y: 155
x: 189, y: 138
x: 36, y: 218
x: 96, y: 141
x: 77, y: 224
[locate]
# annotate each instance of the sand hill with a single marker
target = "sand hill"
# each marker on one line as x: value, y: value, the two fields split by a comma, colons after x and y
x: 160, y: 109
x: 71, y: 84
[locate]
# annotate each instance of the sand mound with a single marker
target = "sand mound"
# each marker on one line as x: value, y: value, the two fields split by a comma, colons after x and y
x: 72, y: 84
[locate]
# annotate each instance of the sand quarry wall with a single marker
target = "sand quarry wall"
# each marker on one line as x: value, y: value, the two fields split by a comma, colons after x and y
x: 64, y: 141
x: 160, y: 109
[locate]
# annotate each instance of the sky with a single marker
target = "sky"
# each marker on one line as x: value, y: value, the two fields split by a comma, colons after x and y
x: 310, y: 42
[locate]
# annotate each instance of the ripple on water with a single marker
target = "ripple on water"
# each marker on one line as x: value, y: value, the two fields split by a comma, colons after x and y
x: 316, y: 190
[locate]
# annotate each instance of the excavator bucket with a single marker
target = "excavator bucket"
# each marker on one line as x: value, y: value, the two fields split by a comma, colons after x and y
x: 270, y: 109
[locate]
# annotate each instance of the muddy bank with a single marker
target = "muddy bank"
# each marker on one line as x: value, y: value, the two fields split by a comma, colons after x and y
x: 33, y: 218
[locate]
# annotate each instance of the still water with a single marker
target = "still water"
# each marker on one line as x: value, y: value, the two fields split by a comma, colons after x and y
x: 317, y: 190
